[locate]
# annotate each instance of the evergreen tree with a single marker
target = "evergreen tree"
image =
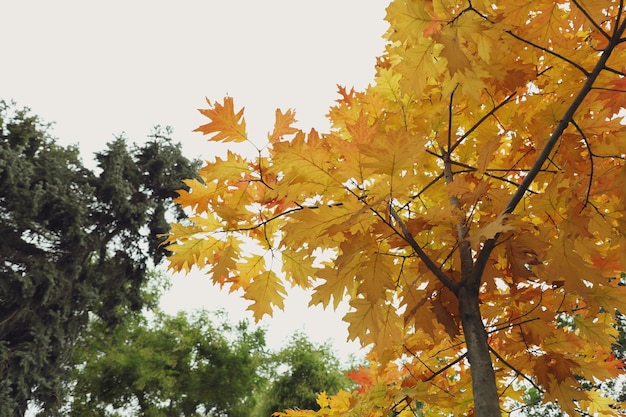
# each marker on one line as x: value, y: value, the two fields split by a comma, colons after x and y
x: 75, y: 243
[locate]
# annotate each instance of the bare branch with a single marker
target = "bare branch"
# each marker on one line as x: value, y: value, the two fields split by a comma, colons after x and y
x: 481, y: 120
x: 615, y: 90
x: 514, y: 369
x: 284, y: 213
x: 448, y: 366
x: 584, y: 137
x: 450, y: 106
x: 426, y: 187
x: 620, y: 10
x: 613, y: 70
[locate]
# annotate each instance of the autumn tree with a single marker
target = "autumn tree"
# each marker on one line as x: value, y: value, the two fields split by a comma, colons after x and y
x: 464, y: 204
x: 74, y: 243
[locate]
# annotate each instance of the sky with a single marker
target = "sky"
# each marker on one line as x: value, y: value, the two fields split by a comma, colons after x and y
x: 102, y: 69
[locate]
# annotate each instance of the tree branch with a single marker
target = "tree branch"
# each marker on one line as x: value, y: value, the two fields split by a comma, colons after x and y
x: 514, y: 369
x: 482, y: 119
x: 591, y: 166
x: 549, y: 52
x: 489, y: 245
x: 465, y: 251
x: 406, y: 235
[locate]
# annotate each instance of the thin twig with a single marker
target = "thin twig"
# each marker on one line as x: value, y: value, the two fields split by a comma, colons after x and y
x: 506, y: 100
x: 593, y: 22
x: 584, y: 137
x: 550, y: 52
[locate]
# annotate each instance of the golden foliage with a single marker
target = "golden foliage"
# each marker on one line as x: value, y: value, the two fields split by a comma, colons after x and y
x: 489, y: 141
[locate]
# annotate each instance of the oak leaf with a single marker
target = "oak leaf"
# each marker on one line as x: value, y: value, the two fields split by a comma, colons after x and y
x: 225, y: 125
x: 265, y: 290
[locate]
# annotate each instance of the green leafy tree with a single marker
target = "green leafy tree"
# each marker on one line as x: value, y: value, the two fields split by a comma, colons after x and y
x: 195, y: 365
x: 75, y: 242
x: 182, y: 365
x: 304, y: 369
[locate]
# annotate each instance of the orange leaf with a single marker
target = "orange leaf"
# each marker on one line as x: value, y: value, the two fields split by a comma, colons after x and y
x: 363, y: 376
x: 283, y: 127
x: 225, y: 125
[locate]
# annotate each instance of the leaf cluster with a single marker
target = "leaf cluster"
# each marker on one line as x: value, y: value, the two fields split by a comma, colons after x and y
x: 176, y: 365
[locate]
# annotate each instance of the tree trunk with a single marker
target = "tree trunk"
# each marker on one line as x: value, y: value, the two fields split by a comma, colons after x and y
x: 486, y: 400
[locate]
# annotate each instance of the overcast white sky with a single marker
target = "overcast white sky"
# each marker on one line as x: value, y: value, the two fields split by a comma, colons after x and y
x: 97, y: 69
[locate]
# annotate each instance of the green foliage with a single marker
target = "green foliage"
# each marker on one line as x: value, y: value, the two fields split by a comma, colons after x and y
x: 195, y: 365
x: 304, y: 370
x: 75, y: 242
x: 182, y: 365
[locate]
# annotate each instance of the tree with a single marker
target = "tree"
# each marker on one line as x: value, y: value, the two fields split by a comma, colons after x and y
x: 182, y: 365
x: 464, y: 204
x: 195, y: 364
x: 304, y: 370
x: 75, y: 243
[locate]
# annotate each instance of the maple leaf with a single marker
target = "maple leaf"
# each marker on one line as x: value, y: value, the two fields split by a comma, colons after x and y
x: 564, y: 389
x: 500, y: 224
x: 198, y: 196
x: 191, y: 252
x: 601, y: 405
x: 298, y: 266
x: 283, y: 127
x: 232, y: 167
x: 598, y: 329
x: 521, y: 254
x: 452, y: 51
x: 225, y: 262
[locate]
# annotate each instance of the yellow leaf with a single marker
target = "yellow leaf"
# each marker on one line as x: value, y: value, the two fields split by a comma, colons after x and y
x: 596, y: 330
x: 224, y: 264
x: 322, y: 399
x: 600, y: 405
x: 298, y: 267
x: 265, y: 290
x: 231, y: 169
x: 500, y: 224
x: 468, y: 117
x: 191, y: 252
x: 457, y: 60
